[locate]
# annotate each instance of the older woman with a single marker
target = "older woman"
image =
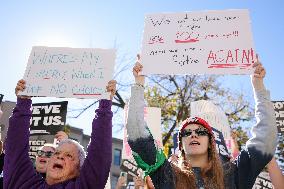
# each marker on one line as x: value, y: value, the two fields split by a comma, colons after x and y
x: 67, y: 167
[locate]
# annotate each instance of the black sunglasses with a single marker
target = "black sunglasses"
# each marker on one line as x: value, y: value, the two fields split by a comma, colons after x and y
x: 198, y: 132
x: 42, y: 153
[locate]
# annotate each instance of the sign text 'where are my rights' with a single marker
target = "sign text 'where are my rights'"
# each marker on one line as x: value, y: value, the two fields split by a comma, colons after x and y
x: 69, y: 72
x: 206, y: 42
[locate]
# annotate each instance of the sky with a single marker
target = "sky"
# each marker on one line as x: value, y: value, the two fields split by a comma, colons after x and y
x: 113, y: 23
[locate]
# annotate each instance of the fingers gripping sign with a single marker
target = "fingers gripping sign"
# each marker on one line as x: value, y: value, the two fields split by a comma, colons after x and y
x: 111, y: 87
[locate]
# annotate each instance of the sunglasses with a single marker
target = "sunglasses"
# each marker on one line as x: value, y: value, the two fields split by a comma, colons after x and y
x: 42, y: 153
x: 198, y: 132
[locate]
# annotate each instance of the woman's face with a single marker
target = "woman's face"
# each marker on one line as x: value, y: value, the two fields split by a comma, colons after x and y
x: 195, y: 140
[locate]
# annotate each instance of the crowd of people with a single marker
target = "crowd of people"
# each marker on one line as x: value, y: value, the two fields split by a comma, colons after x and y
x: 67, y: 165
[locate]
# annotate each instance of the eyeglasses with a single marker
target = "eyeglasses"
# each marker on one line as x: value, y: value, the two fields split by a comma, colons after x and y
x: 42, y: 153
x: 198, y: 132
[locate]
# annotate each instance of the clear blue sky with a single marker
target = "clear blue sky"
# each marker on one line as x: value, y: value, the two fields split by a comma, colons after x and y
x: 82, y: 23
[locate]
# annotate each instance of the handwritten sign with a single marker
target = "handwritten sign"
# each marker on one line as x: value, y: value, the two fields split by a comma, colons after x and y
x: 208, y: 42
x: 279, y: 114
x: 68, y: 72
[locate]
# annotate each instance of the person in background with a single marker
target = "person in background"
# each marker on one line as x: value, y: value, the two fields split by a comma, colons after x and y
x: 67, y: 168
x: 43, y: 155
x: 199, y: 164
x: 46, y: 151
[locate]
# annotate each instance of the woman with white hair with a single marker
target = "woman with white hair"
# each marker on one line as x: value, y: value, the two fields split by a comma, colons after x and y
x: 67, y: 168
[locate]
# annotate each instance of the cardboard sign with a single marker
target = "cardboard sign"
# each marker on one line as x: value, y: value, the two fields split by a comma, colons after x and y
x: 69, y: 72
x: 279, y: 114
x: 207, y: 42
x: 48, y: 118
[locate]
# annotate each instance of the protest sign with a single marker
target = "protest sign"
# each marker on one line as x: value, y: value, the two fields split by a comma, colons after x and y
x: 34, y: 147
x: 68, y: 72
x: 130, y: 166
x: 279, y: 114
x: 220, y: 144
x: 263, y: 181
x: 206, y: 42
x: 48, y: 118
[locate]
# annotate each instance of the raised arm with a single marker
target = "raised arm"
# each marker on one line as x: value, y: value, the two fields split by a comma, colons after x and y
x: 140, y: 139
x: 95, y: 171
x: 261, y: 146
x: 18, y: 168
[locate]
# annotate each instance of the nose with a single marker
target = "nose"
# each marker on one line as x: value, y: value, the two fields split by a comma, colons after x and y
x: 193, y: 134
x: 60, y: 156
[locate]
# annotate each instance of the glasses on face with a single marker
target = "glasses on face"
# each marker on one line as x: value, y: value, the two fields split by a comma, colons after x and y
x: 42, y: 153
x: 198, y: 132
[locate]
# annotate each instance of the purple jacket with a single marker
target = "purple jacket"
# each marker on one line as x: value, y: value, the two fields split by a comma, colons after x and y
x: 19, y: 171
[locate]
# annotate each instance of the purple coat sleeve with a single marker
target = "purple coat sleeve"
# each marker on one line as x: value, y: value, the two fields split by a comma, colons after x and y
x: 95, y: 170
x: 18, y: 168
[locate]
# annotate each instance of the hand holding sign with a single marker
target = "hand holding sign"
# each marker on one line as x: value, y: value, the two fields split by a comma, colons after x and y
x: 258, y: 75
x: 60, y: 135
x: 137, y: 69
x: 111, y: 87
x: 20, y: 87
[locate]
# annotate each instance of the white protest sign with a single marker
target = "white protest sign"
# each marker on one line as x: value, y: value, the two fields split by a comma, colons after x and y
x: 69, y: 72
x: 207, y: 42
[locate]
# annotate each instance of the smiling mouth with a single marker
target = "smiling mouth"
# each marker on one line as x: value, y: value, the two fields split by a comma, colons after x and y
x: 193, y: 143
x: 57, y: 166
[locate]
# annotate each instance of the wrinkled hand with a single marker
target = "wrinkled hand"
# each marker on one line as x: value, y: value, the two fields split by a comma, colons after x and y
x: 258, y: 75
x: 61, y: 135
x: 111, y: 87
x: 21, y: 85
x: 139, y: 79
